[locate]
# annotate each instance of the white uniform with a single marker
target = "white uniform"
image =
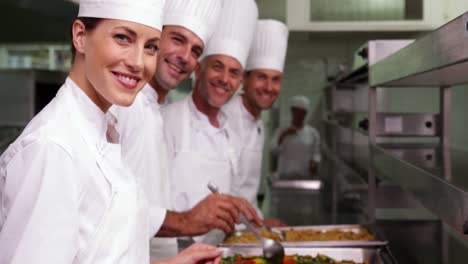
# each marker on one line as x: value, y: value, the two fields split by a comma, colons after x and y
x: 296, y: 151
x: 250, y: 132
x: 65, y: 196
x: 144, y: 149
x: 198, y: 153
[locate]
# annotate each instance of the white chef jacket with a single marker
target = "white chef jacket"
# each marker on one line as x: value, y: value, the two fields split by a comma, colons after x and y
x: 210, y: 140
x: 56, y: 193
x: 251, y: 134
x: 144, y: 149
x: 198, y: 153
x: 296, y: 151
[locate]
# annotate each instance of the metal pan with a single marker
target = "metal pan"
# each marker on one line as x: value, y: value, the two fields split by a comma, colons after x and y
x: 358, y: 255
x: 331, y: 243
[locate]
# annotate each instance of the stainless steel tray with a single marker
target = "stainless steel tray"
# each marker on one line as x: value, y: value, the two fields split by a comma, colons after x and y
x: 331, y: 243
x: 359, y: 255
x: 314, y: 185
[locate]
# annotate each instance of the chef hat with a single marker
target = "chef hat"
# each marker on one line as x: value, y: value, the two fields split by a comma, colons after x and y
x: 198, y: 16
x: 268, y: 49
x: 235, y: 29
x: 299, y: 101
x: 146, y: 12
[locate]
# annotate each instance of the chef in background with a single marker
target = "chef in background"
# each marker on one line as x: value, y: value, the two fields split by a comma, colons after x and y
x: 187, y: 26
x: 65, y: 194
x: 261, y: 87
x: 200, y: 146
x: 298, y: 145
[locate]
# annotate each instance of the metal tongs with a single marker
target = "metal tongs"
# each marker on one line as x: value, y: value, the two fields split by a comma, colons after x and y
x: 273, y: 251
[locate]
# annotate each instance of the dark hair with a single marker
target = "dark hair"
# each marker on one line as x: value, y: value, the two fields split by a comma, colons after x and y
x: 90, y: 24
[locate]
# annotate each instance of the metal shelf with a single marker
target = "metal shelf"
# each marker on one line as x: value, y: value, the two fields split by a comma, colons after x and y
x: 352, y: 78
x: 442, y: 189
x: 388, y: 124
x: 438, y: 59
x: 339, y: 125
x: 347, y: 168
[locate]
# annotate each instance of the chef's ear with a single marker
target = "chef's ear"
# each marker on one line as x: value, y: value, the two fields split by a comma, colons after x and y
x: 79, y: 36
x: 198, y: 69
x: 245, y: 76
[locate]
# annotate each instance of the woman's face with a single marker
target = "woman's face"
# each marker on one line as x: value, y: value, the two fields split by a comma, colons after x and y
x: 119, y: 58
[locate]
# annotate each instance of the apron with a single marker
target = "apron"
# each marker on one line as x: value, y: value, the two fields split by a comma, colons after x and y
x: 192, y: 171
x: 295, y: 155
x: 122, y: 233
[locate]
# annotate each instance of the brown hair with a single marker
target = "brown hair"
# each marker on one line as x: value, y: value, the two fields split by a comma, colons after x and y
x: 90, y: 24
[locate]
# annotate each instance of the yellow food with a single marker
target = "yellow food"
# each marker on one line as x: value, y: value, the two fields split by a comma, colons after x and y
x: 248, y: 237
x: 302, y: 235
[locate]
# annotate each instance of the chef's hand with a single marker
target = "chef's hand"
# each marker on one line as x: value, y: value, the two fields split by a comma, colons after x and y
x: 196, y: 253
x: 274, y: 222
x: 219, y: 211
x: 287, y: 132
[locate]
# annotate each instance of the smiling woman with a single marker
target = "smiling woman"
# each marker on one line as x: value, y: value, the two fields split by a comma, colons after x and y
x: 114, y: 60
x: 64, y: 176
x: 63, y: 185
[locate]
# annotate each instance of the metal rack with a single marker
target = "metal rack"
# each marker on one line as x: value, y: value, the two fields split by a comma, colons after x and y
x: 440, y: 59
x: 346, y: 125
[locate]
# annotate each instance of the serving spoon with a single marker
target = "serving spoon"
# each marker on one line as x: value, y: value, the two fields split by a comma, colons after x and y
x: 273, y: 251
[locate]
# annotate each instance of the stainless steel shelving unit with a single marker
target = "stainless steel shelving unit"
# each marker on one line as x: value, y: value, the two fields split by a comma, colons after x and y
x: 346, y: 125
x: 417, y: 191
x: 440, y: 59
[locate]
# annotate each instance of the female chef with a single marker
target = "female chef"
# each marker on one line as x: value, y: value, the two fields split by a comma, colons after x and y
x: 65, y: 196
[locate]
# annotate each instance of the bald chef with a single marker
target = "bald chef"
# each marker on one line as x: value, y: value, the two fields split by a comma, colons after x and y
x: 200, y: 147
x: 262, y: 83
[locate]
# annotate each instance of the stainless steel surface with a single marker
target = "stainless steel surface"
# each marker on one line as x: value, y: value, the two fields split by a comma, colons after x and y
x: 389, y: 124
x: 313, y: 185
x: 423, y: 155
x: 381, y: 49
x: 447, y: 197
x: 445, y: 98
x: 352, y: 180
x: 359, y: 255
x: 407, y: 124
x: 372, y: 140
x: 438, y: 59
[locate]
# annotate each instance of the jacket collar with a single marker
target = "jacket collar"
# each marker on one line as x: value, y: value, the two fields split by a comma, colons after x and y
x: 90, y: 119
x: 150, y: 94
x: 201, y: 120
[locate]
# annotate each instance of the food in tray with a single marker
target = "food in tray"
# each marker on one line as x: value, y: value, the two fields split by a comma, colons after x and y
x: 302, y: 235
x: 249, y: 237
x: 294, y: 259
x: 330, y: 235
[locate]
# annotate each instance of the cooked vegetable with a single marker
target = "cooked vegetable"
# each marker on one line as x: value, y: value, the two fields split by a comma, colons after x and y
x: 294, y: 259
